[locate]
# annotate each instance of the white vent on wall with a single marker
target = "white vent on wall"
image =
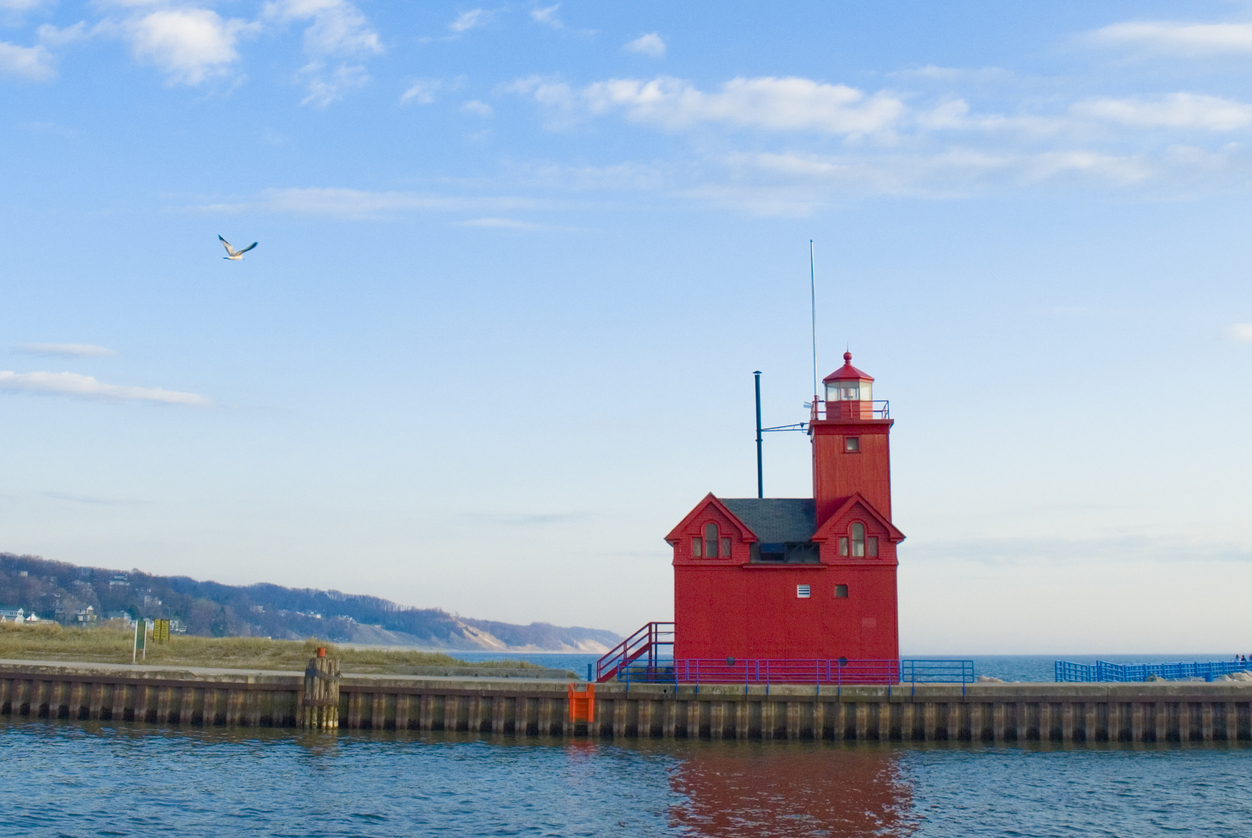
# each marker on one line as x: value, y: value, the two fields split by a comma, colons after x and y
x: 802, y: 591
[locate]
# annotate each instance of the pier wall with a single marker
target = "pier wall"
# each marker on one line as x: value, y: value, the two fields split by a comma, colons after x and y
x: 1005, y: 713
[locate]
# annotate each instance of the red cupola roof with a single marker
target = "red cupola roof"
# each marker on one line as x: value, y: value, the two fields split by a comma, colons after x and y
x: 847, y: 371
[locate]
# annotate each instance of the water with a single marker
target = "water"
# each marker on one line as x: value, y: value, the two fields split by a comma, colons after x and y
x: 574, y: 662
x: 80, y: 779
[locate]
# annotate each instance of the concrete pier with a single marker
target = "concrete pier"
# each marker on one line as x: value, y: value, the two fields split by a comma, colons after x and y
x: 999, y: 713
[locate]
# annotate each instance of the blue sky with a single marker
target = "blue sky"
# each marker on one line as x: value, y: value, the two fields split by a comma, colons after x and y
x: 517, y: 264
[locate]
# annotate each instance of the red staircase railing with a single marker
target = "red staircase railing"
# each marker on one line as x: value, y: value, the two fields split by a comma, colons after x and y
x: 648, y: 641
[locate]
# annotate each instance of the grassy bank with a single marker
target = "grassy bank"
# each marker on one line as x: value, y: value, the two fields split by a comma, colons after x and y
x: 109, y: 645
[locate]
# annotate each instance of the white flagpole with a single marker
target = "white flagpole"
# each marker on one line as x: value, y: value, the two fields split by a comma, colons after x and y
x: 813, y: 310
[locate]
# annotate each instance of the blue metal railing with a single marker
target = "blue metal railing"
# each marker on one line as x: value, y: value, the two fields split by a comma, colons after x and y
x: 818, y: 672
x: 1103, y: 671
x: 916, y: 672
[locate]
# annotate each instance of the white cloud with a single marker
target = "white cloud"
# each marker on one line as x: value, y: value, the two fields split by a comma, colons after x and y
x: 1241, y: 332
x: 501, y: 224
x: 338, y: 28
x: 1180, y: 38
x: 325, y: 88
x: 338, y: 31
x: 94, y: 500
x: 777, y: 104
x: 547, y: 16
x: 477, y: 108
x: 796, y: 184
x: 618, y: 176
x: 1175, y: 110
x: 955, y: 115
x: 472, y: 19
x: 20, y: 5
x: 1092, y: 117
x: 422, y: 91
x: 650, y: 45
x: 935, y: 73
x: 66, y: 350
x: 48, y: 128
x: 51, y: 36
x: 87, y: 387
x: 545, y: 92
x: 34, y: 63
x: 359, y: 203
x: 780, y: 104
x: 189, y: 45
x: 1110, y: 168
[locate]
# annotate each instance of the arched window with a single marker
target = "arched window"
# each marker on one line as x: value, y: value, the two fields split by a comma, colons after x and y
x: 858, y: 539
x: 710, y: 540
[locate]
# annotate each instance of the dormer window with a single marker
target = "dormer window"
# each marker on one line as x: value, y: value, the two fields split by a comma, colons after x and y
x: 711, y: 541
x: 697, y: 547
x: 857, y: 544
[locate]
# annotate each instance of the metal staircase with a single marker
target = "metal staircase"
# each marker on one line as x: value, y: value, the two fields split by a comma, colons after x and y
x: 647, y: 654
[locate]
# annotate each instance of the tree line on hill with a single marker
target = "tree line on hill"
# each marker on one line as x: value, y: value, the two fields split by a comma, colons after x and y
x: 64, y: 592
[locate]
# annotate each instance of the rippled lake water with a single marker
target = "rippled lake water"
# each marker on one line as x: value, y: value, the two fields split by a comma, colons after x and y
x: 60, y: 778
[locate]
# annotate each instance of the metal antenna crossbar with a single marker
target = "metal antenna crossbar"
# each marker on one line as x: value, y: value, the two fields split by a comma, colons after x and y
x: 760, y: 466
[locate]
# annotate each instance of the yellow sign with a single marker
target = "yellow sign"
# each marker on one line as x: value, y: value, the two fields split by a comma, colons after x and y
x: 161, y: 630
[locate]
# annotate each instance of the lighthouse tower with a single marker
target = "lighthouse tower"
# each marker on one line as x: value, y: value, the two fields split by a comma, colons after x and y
x: 787, y: 579
x: 851, y: 454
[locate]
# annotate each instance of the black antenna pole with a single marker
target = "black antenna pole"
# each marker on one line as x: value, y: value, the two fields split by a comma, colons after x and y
x: 760, y: 473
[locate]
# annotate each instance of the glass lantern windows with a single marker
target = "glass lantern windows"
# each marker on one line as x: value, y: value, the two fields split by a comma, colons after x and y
x: 853, y: 390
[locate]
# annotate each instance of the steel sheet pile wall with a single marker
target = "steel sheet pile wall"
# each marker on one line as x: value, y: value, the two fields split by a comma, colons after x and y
x: 1155, y: 712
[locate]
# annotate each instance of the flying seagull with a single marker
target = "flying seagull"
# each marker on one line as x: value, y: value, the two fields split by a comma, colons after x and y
x: 234, y: 254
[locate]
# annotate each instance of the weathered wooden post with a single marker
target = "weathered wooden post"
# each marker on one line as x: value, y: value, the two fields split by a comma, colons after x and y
x: 320, y: 700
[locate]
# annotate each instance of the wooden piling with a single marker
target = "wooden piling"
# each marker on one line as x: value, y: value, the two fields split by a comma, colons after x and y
x: 319, y: 700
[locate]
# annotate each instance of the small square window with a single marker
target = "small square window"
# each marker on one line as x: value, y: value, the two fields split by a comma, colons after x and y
x: 802, y: 591
x: 725, y: 548
x: 852, y: 444
x: 841, y: 591
x: 697, y: 547
x: 843, y: 545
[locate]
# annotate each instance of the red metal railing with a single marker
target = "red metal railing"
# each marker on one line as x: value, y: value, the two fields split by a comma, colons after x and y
x: 877, y: 409
x: 646, y: 643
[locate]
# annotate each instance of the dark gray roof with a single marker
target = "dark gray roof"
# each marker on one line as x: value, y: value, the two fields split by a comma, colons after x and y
x: 776, y: 520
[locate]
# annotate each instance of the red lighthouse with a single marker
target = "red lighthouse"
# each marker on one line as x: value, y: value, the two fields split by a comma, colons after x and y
x: 798, y: 579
